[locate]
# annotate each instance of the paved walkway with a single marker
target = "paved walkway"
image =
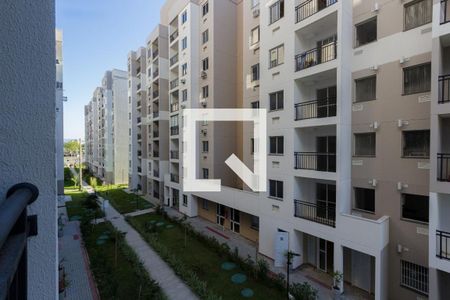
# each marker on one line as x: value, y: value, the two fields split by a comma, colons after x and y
x: 139, y: 212
x: 73, y: 256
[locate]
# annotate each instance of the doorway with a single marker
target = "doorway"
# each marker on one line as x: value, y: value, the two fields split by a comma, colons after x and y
x: 325, y: 256
x: 326, y: 102
x: 220, y: 214
x: 326, y: 201
x: 235, y: 220
x: 326, y: 153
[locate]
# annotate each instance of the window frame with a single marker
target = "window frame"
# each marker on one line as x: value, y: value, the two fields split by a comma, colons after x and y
x: 253, y: 67
x: 409, y: 218
x: 185, y: 200
x: 205, y: 143
x: 184, y: 43
x: 405, y: 69
x: 184, y: 69
x: 205, y: 36
x: 205, y: 8
x: 410, y: 4
x: 404, y: 144
x: 403, y: 279
x: 205, y: 63
x: 277, y: 106
x: 355, y: 154
x: 277, y: 60
x: 280, y: 12
x: 278, y: 184
x: 354, y: 206
x: 184, y: 17
x: 356, y: 100
x: 252, y: 42
x: 279, y: 143
x: 357, y: 43
x: 205, y: 90
x: 205, y: 171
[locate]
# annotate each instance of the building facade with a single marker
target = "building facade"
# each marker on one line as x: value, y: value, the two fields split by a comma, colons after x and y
x: 356, y: 94
x: 106, y: 129
x: 59, y: 113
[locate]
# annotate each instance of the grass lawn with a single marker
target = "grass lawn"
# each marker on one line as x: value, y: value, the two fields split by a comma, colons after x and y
x: 122, y: 201
x: 125, y: 280
x: 205, y: 262
x: 77, y: 207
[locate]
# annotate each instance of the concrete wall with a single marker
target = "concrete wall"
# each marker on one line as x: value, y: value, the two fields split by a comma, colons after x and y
x: 27, y: 142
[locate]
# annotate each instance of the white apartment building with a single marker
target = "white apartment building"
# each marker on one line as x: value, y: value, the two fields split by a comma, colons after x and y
x: 106, y: 129
x: 59, y: 113
x: 350, y: 87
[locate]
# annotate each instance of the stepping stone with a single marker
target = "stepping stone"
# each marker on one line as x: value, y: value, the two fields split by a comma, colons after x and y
x: 228, y: 266
x: 238, y: 278
x: 247, y: 293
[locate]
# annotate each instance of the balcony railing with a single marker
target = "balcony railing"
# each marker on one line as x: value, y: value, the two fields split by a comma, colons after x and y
x: 322, y: 108
x: 443, y: 167
x: 156, y: 173
x: 155, y: 94
x: 174, y: 107
x: 324, y: 162
x: 155, y: 114
x: 174, y: 83
x: 174, y: 59
x: 320, y: 213
x: 139, y: 169
x: 445, y: 11
x: 316, y: 56
x: 173, y: 36
x: 156, y: 73
x: 139, y: 86
x: 444, y: 88
x: 155, y: 133
x: 175, y: 178
x: 15, y: 227
x: 155, y: 53
x: 139, y: 153
x: 155, y: 153
x: 139, y: 137
x: 174, y: 154
x: 156, y: 195
x: 309, y: 7
x: 174, y: 130
x: 443, y: 244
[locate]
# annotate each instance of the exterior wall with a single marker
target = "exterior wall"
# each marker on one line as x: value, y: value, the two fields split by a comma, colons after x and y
x: 59, y: 114
x: 28, y: 93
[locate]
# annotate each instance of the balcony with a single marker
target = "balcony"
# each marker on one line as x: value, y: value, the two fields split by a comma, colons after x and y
x: 316, y: 56
x: 322, y: 108
x: 173, y: 36
x: 324, y: 162
x: 174, y: 130
x: 156, y: 173
x: 445, y: 11
x: 139, y: 169
x: 139, y: 137
x: 155, y: 53
x: 174, y: 83
x: 174, y: 59
x: 155, y: 114
x: 139, y: 120
x: 174, y: 107
x: 174, y: 154
x: 175, y: 178
x: 139, y: 153
x: 156, y: 73
x: 156, y: 134
x: 444, y: 89
x: 155, y: 194
x: 155, y: 94
x: 139, y: 86
x: 443, y: 244
x: 155, y: 154
x: 319, y: 213
x: 309, y: 7
x: 443, y: 167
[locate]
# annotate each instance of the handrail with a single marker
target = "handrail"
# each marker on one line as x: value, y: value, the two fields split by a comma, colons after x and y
x: 316, y: 56
x: 320, y: 108
x: 310, y: 7
x: 444, y: 88
x: 445, y: 12
x: 443, y: 244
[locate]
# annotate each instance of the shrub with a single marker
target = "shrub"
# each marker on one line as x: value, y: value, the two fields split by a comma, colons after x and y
x: 303, y: 291
x: 262, y: 268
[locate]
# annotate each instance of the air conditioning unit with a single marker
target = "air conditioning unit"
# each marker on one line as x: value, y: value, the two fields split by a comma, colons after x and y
x: 373, y: 182
x: 204, y: 132
x: 203, y: 103
x: 375, y: 125
x: 204, y: 75
x: 256, y: 13
x: 183, y: 106
x: 183, y: 81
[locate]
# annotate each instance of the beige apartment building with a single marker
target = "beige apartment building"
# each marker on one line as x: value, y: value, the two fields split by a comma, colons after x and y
x: 356, y: 94
x: 106, y: 129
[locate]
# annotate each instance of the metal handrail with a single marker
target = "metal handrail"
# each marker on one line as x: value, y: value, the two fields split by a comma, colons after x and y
x: 443, y: 167
x: 310, y: 7
x: 444, y: 89
x: 445, y: 12
x: 319, y: 213
x: 443, y: 244
x: 325, y: 162
x: 316, y: 56
x: 321, y: 108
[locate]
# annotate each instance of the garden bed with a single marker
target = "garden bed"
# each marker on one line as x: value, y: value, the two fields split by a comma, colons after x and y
x: 122, y: 201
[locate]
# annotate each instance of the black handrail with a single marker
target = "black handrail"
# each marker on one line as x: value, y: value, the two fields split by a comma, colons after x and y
x: 325, y: 162
x: 443, y: 167
x: 443, y: 244
x: 310, y: 7
x: 173, y: 36
x: 174, y: 59
x: 445, y: 12
x: 321, y: 108
x: 320, y: 213
x: 174, y: 130
x: 15, y: 227
x: 316, y: 56
x: 175, y: 178
x: 444, y: 88
x: 174, y: 154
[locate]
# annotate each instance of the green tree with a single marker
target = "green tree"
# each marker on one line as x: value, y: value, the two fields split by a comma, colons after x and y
x: 72, y: 147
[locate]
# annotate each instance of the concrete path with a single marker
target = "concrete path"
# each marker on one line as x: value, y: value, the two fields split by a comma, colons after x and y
x: 139, y: 212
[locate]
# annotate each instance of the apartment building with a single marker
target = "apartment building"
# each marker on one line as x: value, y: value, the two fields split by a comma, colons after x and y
x: 106, y: 129
x: 59, y: 113
x: 439, y: 231
x: 349, y: 87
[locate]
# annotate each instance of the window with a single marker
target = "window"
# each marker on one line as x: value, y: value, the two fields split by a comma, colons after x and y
x: 205, y: 204
x: 184, y: 95
x: 254, y: 222
x: 365, y: 144
x: 414, y: 276
x: 366, y: 89
x: 276, y: 189
x: 276, y: 145
x: 184, y: 43
x: 366, y: 32
x: 254, y: 36
x: 276, y: 100
x: 185, y: 200
x: 415, y: 207
x: 416, y: 143
x: 276, y: 56
x: 252, y: 145
x: 205, y: 173
x: 205, y: 92
x: 418, y: 13
x: 364, y: 199
x: 255, y: 104
x: 276, y: 11
x: 205, y: 36
x: 205, y: 146
x: 255, y: 72
x: 184, y: 17
x: 205, y: 64
x: 205, y: 9
x: 184, y: 69
x: 417, y: 79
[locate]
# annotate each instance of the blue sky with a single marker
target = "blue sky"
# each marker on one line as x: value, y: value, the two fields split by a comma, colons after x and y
x: 98, y: 34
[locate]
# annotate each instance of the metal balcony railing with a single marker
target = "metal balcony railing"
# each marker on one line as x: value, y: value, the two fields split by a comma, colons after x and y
x: 443, y: 244
x: 445, y: 11
x: 320, y: 213
x: 155, y: 153
x: 174, y: 130
x: 139, y: 169
x: 139, y: 86
x: 139, y: 153
x: 174, y: 107
x: 309, y: 7
x: 15, y: 228
x: 173, y: 36
x: 443, y: 167
x: 156, y: 173
x: 156, y: 73
x: 175, y: 178
x: 174, y: 154
x: 316, y: 56
x: 155, y: 114
x: 139, y: 137
x: 155, y: 133
x: 174, y: 59
x: 155, y: 94
x: 324, y: 162
x: 444, y: 88
x: 155, y: 53
x: 174, y: 83
x: 322, y: 108
x: 156, y: 195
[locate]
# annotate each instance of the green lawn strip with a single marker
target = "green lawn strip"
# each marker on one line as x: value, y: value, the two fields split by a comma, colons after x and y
x: 122, y: 201
x: 127, y: 279
x: 198, y: 264
x: 78, y: 207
